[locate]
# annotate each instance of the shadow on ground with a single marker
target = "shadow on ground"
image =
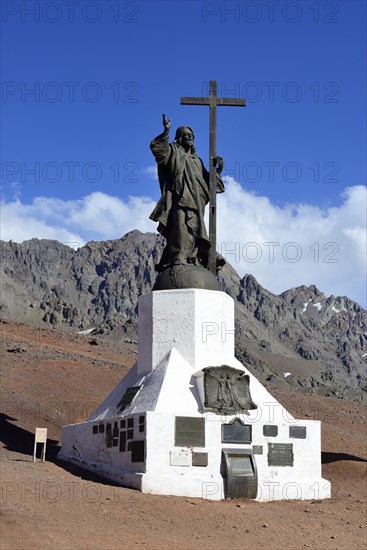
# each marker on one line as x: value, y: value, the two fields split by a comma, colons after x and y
x: 19, y: 440
x: 326, y: 458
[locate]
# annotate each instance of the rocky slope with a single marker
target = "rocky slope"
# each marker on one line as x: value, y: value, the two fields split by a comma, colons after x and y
x: 300, y: 339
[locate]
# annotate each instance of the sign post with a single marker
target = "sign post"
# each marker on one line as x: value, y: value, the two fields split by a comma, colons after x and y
x: 40, y: 437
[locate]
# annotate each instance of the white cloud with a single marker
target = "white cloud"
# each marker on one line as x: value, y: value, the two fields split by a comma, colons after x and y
x: 150, y: 171
x: 282, y: 246
x: 296, y: 244
x: 20, y: 222
x: 97, y: 216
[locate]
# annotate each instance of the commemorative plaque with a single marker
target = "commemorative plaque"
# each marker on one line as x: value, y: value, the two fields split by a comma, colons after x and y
x: 236, y: 432
x: 270, y: 430
x: 127, y: 398
x: 122, y: 442
x: 108, y: 436
x: 141, y: 423
x: 200, y: 459
x: 298, y: 432
x: 227, y: 390
x: 280, y: 454
x: 189, y: 431
x: 137, y: 451
x: 180, y: 458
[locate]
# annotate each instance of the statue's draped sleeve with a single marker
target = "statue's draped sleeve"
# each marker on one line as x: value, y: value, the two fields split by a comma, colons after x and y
x: 170, y: 165
x: 162, y: 152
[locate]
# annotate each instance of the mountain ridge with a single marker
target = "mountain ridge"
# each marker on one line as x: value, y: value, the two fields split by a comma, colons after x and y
x: 319, y: 342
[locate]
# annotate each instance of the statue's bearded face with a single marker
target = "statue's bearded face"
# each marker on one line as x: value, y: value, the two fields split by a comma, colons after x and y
x: 186, y: 138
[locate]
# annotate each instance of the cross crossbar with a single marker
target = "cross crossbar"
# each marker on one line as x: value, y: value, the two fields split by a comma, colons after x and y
x: 234, y: 102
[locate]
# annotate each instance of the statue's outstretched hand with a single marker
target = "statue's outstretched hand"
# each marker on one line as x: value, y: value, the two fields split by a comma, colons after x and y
x: 166, y: 123
x: 219, y: 164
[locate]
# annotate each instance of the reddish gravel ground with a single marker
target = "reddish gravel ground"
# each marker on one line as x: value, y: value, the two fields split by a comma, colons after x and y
x: 51, y: 378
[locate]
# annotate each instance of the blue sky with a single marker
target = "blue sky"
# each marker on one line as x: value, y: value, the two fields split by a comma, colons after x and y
x: 76, y: 163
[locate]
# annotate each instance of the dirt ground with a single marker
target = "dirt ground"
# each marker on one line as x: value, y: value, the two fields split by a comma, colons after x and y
x: 49, y: 379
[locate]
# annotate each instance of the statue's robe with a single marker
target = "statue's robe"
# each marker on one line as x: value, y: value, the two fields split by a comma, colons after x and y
x: 184, y: 183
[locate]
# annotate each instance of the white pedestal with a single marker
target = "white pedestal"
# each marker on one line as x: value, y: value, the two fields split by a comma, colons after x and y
x: 182, y: 332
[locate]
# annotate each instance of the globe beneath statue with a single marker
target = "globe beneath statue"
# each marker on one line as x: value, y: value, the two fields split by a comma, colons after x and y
x: 186, y: 276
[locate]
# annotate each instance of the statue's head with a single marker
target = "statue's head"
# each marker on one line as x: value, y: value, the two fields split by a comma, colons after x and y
x: 185, y: 136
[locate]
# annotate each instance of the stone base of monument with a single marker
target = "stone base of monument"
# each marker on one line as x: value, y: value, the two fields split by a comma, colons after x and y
x: 186, y: 276
x: 190, y: 420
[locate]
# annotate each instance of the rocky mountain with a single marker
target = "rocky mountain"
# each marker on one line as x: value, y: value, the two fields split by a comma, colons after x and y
x: 300, y: 339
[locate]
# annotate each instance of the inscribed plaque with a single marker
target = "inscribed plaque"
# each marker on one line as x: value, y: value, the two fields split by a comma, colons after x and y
x: 127, y: 398
x: 270, y: 430
x: 236, y: 432
x: 280, y: 454
x: 189, y: 431
x: 108, y: 436
x: 298, y: 432
x: 122, y: 442
x: 180, y: 458
x: 199, y: 459
x: 137, y: 451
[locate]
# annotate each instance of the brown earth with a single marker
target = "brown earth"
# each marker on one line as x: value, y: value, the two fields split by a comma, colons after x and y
x: 50, y: 379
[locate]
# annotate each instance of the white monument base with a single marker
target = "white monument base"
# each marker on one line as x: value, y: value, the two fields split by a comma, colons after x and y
x: 154, y: 432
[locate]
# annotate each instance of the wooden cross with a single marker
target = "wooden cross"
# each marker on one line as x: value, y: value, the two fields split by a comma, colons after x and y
x: 213, y: 102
